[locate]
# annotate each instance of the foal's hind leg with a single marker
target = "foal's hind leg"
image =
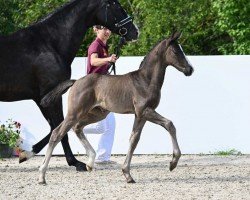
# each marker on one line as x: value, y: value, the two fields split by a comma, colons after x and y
x: 153, y: 116
x: 55, y: 138
x: 78, y: 128
x: 134, y: 139
x: 54, y: 116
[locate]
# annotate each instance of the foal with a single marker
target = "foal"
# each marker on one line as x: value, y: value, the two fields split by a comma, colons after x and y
x: 92, y: 97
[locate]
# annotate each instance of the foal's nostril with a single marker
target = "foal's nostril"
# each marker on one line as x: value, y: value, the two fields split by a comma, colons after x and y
x: 192, y: 69
x: 189, y: 71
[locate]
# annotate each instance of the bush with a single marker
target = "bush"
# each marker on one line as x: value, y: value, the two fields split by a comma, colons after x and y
x: 9, y: 133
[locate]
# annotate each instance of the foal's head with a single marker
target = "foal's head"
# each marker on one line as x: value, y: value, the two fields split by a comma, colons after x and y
x: 175, y: 56
x: 111, y: 15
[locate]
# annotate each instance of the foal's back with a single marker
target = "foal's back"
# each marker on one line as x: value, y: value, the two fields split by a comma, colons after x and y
x: 114, y: 93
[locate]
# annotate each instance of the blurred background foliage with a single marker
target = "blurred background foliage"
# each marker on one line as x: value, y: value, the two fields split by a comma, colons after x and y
x: 210, y: 27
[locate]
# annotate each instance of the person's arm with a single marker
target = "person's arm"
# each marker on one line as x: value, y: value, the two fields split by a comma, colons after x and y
x: 97, y: 62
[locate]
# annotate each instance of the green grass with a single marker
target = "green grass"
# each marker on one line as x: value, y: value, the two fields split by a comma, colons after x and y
x: 227, y: 152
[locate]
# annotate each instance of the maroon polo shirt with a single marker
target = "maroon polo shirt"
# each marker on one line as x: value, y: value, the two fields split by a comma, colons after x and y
x: 97, y: 46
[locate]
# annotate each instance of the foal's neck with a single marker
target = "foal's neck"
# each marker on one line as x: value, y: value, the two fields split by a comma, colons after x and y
x: 153, y: 70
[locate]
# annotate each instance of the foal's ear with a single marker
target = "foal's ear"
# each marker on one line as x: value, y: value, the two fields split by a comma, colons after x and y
x: 175, y: 36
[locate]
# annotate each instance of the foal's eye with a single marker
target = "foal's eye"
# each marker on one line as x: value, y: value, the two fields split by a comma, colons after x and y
x: 174, y: 51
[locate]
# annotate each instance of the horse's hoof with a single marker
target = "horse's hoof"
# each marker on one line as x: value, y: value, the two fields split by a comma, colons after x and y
x: 131, y: 181
x: 42, y: 183
x: 25, y: 155
x: 89, y: 169
x: 22, y: 159
x: 80, y: 167
x: 22, y: 156
x: 172, y: 166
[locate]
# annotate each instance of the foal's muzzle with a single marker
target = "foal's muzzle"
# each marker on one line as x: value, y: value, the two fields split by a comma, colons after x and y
x: 189, y: 71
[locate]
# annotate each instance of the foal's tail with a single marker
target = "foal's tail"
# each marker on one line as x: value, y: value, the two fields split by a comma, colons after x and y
x: 56, y: 93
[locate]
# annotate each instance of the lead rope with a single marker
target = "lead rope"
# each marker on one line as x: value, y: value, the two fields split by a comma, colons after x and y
x: 117, y: 53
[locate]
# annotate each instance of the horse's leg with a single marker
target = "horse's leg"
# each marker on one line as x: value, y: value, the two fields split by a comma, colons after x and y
x: 54, y: 116
x: 78, y: 128
x: 153, y: 116
x: 56, y: 137
x: 134, y: 139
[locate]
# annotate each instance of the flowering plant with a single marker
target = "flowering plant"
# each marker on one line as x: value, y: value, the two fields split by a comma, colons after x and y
x: 9, y: 133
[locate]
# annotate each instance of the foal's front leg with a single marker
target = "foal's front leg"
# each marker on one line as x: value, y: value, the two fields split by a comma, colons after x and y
x: 134, y: 139
x: 152, y: 116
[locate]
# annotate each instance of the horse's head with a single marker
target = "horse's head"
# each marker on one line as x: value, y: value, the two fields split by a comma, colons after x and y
x: 111, y: 15
x: 175, y: 55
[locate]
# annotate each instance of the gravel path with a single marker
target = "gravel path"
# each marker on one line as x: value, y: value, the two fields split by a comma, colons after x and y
x: 196, y: 177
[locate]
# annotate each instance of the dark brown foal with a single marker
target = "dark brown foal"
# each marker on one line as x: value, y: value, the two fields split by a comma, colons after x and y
x: 92, y: 97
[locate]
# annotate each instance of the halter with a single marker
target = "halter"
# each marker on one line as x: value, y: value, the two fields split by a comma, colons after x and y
x: 119, y: 25
x: 122, y: 30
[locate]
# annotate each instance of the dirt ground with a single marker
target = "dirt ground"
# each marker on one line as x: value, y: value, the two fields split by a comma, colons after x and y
x: 196, y: 177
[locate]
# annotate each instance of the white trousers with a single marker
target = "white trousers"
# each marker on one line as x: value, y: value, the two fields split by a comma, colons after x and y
x: 106, y: 128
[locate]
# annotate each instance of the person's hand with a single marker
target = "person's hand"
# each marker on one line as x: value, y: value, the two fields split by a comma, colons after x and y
x: 112, y: 58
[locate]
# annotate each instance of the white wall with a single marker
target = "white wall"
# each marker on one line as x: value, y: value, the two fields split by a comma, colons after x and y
x: 210, y: 109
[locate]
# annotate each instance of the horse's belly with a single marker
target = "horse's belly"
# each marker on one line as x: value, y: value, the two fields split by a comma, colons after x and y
x: 15, y: 93
x: 117, y: 106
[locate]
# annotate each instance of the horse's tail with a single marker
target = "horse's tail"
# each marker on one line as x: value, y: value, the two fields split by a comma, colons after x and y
x: 57, y: 92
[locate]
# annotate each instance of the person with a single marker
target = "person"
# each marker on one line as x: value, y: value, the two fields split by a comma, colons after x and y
x: 98, y: 62
x: 26, y: 138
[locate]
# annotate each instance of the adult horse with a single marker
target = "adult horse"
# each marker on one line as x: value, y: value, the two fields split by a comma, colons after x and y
x: 91, y: 98
x: 36, y: 59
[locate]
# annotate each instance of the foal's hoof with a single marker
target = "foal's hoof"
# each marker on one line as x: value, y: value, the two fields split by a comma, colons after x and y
x: 80, y: 167
x: 42, y: 183
x: 172, y: 166
x: 41, y: 180
x: 131, y: 181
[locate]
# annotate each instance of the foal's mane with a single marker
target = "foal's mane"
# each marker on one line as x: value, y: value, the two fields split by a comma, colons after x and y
x: 145, y: 59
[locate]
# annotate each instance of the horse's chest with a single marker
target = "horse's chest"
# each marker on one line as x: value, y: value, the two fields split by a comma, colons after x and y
x: 154, y: 99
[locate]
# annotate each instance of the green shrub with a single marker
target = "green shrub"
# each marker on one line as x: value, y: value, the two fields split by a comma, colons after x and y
x: 9, y: 133
x: 228, y: 152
